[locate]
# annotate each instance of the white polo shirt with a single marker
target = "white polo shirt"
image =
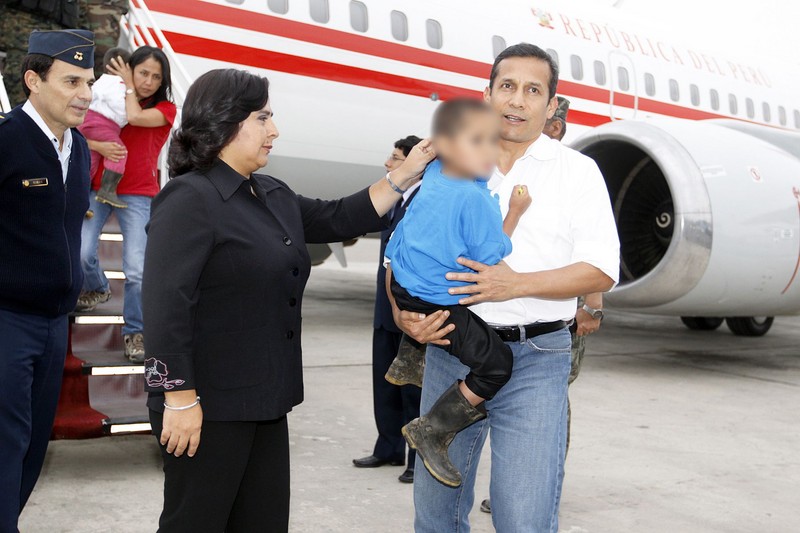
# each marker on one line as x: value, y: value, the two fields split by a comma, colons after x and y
x: 569, y: 221
x: 65, y: 151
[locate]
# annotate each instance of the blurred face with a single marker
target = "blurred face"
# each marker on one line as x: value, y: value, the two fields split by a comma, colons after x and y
x: 63, y: 99
x: 520, y: 96
x: 394, y: 160
x: 249, y: 150
x: 473, y: 151
x: 147, y: 77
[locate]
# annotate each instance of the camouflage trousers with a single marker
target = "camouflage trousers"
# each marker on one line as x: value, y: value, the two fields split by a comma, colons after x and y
x: 578, y: 348
x: 100, y: 16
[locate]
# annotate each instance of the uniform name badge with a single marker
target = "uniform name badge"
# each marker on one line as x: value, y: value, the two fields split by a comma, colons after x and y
x: 35, y: 182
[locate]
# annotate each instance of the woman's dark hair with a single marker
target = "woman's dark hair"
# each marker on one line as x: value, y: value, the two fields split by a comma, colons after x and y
x: 215, y: 106
x: 164, y: 92
x: 40, y: 64
x: 527, y: 50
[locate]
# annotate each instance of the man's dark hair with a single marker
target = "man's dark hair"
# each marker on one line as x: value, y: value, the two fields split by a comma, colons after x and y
x: 450, y: 115
x: 114, y: 52
x: 527, y: 50
x: 216, y: 105
x: 40, y: 64
x: 405, y: 145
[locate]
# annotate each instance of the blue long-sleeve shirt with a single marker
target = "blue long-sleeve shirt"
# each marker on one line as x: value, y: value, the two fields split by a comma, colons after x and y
x: 449, y: 218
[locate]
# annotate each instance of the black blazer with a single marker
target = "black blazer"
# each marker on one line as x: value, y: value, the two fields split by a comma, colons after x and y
x: 223, y: 288
x: 40, y: 218
x: 383, y: 309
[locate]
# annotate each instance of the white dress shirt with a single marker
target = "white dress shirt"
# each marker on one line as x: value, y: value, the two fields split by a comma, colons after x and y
x: 108, y: 98
x: 65, y: 150
x: 569, y: 221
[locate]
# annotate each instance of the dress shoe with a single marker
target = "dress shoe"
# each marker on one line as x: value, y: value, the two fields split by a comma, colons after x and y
x: 374, y: 462
x: 486, y: 506
x: 407, y: 476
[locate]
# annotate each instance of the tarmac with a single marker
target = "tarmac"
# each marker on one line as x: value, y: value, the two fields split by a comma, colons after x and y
x: 673, y: 431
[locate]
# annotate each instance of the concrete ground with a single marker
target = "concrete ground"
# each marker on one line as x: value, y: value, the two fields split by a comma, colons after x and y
x: 673, y: 431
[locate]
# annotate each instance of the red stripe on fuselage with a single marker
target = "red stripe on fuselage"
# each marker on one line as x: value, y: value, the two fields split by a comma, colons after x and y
x: 309, y: 33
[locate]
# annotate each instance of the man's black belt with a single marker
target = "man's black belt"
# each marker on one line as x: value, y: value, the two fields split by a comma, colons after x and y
x: 514, y: 333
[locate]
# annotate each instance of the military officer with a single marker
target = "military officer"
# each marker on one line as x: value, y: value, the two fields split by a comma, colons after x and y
x: 44, y: 195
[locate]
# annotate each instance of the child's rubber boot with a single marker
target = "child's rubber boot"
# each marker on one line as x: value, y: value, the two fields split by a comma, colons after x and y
x: 432, y: 433
x: 409, y: 365
x: 107, y: 194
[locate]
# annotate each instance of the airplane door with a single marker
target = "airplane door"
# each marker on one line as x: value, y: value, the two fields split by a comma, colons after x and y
x: 623, y: 99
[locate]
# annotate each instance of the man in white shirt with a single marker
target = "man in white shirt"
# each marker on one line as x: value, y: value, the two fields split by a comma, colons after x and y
x: 566, y: 245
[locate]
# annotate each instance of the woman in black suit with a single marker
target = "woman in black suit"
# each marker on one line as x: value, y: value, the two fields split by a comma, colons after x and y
x: 225, y: 269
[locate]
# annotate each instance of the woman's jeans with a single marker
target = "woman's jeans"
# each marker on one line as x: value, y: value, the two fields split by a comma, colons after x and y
x: 132, y: 221
x: 527, y: 422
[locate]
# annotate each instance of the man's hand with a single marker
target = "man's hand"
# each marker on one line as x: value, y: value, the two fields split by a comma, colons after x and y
x: 422, y: 328
x: 586, y: 324
x: 496, y: 283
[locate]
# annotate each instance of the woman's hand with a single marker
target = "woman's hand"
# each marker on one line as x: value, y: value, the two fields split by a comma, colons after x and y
x: 496, y: 283
x: 110, y: 150
x: 414, y: 165
x: 119, y: 67
x: 181, y: 431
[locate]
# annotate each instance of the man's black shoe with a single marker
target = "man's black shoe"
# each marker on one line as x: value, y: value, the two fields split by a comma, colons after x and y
x: 374, y: 462
x: 407, y: 476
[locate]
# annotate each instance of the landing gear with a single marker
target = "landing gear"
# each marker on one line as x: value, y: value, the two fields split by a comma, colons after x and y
x: 702, y: 323
x: 750, y: 326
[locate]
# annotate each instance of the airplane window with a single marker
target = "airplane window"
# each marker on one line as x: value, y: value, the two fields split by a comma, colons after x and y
x: 278, y: 6
x: 623, y: 81
x: 766, y: 111
x: 319, y: 11
x: 733, y: 103
x: 674, y: 90
x: 751, y: 107
x: 694, y: 94
x: 714, y: 99
x: 552, y: 53
x: 797, y: 119
x: 782, y: 115
x: 577, y: 67
x: 599, y: 73
x: 433, y: 31
x: 649, y: 84
x: 498, y: 45
x: 359, y: 18
x: 399, y: 25
x: 237, y: 2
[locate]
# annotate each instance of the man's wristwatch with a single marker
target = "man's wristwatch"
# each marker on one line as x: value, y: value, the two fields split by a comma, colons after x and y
x: 596, y: 314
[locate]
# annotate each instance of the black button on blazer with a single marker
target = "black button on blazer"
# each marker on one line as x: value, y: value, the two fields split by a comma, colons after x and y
x: 223, y: 285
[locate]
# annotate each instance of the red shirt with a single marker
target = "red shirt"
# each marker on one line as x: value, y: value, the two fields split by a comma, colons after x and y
x: 144, y: 145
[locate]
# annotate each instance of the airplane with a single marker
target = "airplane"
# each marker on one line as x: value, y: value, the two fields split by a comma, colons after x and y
x: 700, y: 150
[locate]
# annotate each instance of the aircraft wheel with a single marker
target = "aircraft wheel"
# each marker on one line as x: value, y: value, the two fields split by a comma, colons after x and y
x: 749, y: 326
x: 702, y: 323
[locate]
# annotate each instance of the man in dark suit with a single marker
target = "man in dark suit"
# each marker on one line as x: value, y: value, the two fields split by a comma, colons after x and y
x: 394, y: 406
x: 44, y: 195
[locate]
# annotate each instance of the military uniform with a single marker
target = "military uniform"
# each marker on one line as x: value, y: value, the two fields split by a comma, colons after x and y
x: 44, y: 194
x: 16, y: 23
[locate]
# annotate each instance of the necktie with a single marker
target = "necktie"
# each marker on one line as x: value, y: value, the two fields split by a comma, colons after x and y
x: 396, y: 210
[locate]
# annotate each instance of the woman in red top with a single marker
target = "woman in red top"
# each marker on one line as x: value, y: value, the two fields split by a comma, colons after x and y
x: 151, y: 114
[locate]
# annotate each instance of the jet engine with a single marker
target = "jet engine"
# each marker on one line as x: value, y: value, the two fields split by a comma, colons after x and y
x: 708, y: 215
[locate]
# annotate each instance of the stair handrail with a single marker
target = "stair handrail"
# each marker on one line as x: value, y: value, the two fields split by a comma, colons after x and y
x: 5, y: 105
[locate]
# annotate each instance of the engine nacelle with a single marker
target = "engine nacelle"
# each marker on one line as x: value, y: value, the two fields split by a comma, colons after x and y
x: 708, y: 215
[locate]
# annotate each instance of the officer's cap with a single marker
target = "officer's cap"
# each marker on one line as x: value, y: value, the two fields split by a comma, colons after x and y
x: 75, y: 47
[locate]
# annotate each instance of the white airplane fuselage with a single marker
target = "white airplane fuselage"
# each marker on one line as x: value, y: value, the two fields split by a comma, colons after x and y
x: 700, y: 149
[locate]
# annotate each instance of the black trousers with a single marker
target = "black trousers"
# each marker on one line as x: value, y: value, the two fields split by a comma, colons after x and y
x: 394, y: 406
x: 238, y: 481
x: 32, y: 350
x: 474, y: 343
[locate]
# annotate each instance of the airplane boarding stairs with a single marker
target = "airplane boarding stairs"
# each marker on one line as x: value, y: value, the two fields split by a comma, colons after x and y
x: 102, y: 392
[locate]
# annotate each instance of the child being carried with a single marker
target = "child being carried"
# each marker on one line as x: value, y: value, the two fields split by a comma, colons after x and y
x: 454, y: 215
x: 104, y: 121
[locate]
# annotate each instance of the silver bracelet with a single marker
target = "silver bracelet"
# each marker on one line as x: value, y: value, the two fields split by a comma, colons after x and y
x: 392, y: 184
x: 184, y: 408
